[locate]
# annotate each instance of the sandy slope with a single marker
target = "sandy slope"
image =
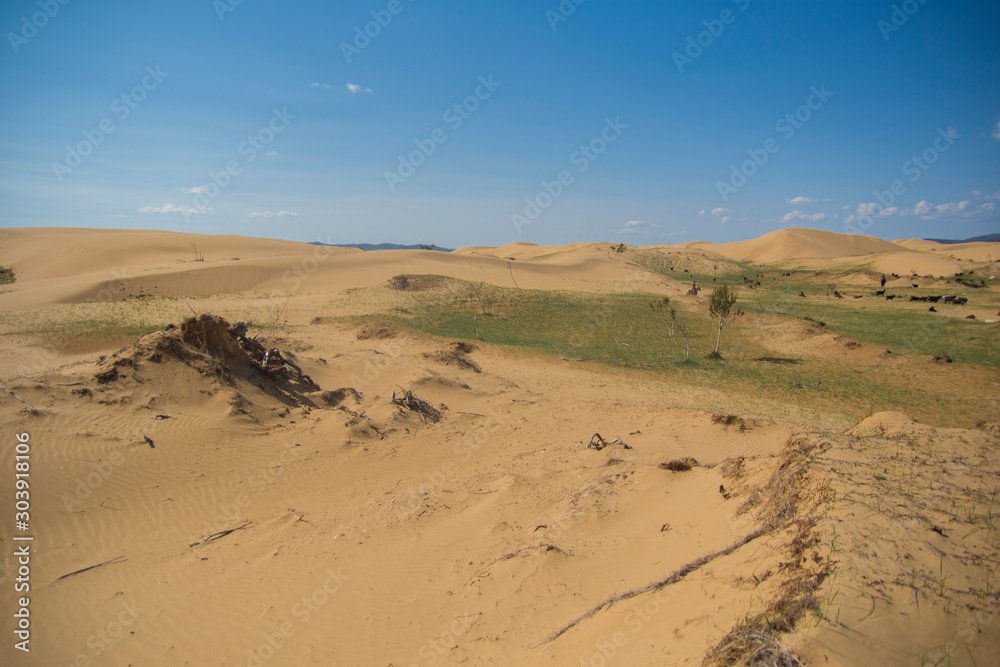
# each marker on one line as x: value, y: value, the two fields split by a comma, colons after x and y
x: 978, y: 252
x: 803, y: 243
x: 363, y: 534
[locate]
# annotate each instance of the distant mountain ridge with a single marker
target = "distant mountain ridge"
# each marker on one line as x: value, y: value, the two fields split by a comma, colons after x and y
x: 987, y: 238
x: 378, y: 246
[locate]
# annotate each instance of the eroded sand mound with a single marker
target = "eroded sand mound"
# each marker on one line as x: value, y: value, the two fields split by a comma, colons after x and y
x: 222, y: 353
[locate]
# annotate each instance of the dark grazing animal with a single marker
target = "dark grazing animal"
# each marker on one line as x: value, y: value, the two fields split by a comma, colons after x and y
x: 880, y: 292
x: 890, y: 297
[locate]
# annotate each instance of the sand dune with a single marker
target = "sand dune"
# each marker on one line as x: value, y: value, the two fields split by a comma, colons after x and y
x: 803, y: 243
x: 252, y: 512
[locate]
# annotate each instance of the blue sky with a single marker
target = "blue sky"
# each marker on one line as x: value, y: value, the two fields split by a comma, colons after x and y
x: 462, y: 123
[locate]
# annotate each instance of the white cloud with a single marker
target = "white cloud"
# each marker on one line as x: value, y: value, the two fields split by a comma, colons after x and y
x: 270, y: 153
x: 965, y: 209
x: 796, y: 216
x: 637, y: 227
x: 195, y: 190
x: 996, y: 132
x: 272, y: 214
x: 701, y: 212
x: 170, y: 208
x: 720, y: 211
x: 725, y: 219
x: 870, y: 210
x: 317, y: 84
x: 355, y: 88
x: 798, y: 201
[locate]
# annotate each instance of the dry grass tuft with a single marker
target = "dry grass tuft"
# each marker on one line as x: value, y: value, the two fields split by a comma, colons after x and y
x: 731, y: 420
x: 376, y: 331
x: 756, y: 640
x: 338, y: 396
x: 732, y: 468
x: 451, y: 357
x: 680, y: 465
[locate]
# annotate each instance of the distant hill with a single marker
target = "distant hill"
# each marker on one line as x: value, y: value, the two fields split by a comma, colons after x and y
x: 988, y: 238
x: 377, y: 246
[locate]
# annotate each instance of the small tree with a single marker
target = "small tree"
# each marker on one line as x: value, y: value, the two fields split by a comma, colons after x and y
x: 720, y: 306
x: 427, y: 246
x: 668, y: 307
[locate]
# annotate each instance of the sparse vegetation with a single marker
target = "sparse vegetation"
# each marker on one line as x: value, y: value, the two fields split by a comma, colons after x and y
x: 720, y: 306
x: 664, y: 305
x: 6, y: 275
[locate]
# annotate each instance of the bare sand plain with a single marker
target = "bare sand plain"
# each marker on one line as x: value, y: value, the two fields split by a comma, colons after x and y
x: 408, y: 481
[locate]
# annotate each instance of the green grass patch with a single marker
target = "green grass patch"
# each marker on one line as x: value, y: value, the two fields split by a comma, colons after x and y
x: 624, y: 330
x: 900, y: 326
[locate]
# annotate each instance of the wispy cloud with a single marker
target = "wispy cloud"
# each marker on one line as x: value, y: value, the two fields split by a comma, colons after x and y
x: 720, y: 211
x: 355, y: 88
x: 799, y: 216
x: 637, y: 227
x: 323, y: 86
x: 195, y: 190
x: 170, y: 208
x: 958, y: 211
x: 996, y: 131
x: 798, y: 201
x: 272, y: 214
x: 270, y: 153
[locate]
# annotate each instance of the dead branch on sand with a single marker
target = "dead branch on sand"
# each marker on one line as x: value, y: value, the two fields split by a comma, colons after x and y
x: 784, y: 490
x: 116, y: 559
x: 365, y: 417
x: 674, y: 577
x: 222, y: 533
x: 599, y: 443
x: 420, y: 406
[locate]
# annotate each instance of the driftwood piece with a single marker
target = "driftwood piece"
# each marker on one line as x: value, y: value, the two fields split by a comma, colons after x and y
x: 222, y: 533
x: 674, y: 577
x: 420, y: 406
x: 116, y: 559
x: 599, y: 443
